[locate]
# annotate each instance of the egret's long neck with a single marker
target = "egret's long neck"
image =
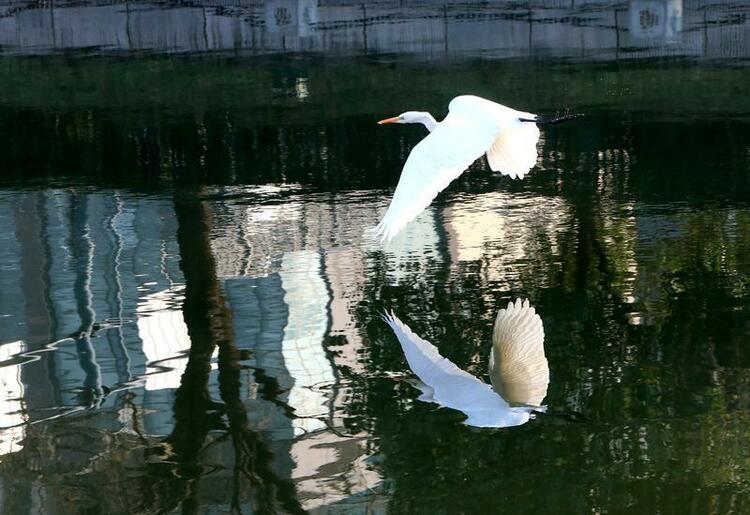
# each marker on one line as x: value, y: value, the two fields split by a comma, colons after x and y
x: 428, y: 121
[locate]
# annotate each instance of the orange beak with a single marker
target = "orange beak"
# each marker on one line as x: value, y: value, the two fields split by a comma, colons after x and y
x: 388, y: 120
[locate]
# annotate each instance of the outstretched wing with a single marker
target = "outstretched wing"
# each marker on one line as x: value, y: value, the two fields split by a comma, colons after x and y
x: 518, y: 367
x: 443, y: 155
x: 447, y: 385
x: 474, y: 126
x: 513, y: 152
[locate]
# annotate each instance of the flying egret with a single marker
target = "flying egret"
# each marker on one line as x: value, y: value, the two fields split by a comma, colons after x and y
x: 474, y: 126
x: 519, y: 372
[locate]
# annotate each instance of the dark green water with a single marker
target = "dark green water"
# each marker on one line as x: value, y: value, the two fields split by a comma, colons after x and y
x: 190, y: 306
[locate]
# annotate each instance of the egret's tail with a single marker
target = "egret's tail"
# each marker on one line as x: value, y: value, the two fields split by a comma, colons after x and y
x: 551, y: 119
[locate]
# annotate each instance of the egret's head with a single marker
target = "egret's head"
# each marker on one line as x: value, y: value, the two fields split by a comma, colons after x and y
x: 407, y: 117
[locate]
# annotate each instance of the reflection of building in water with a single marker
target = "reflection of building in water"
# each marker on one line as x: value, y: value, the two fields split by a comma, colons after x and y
x: 305, y: 358
x: 431, y: 29
x: 12, y: 415
x: 165, y: 338
x: 346, y: 275
x: 513, y: 237
x: 96, y: 257
x: 250, y: 239
x: 110, y: 298
x: 294, y: 274
x: 283, y: 319
x: 345, y: 461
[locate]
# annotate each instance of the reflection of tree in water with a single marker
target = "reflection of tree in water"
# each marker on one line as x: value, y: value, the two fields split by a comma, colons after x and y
x: 628, y: 344
x: 53, y: 129
x: 126, y: 471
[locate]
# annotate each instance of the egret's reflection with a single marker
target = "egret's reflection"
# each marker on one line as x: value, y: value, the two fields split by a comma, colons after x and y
x: 518, y: 370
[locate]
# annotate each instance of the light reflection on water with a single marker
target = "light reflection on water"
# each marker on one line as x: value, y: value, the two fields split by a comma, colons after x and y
x: 296, y: 275
x: 129, y: 354
x: 499, y: 229
x: 120, y: 344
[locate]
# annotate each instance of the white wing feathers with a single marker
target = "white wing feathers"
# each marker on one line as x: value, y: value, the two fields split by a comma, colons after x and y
x: 518, y: 367
x: 436, y: 160
x: 513, y: 152
x: 449, y: 386
x: 474, y: 126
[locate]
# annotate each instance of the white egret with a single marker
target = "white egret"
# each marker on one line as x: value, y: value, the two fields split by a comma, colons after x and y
x: 474, y: 126
x: 518, y: 370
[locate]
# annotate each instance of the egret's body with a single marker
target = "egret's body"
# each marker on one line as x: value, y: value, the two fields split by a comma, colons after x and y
x: 474, y: 126
x: 518, y: 371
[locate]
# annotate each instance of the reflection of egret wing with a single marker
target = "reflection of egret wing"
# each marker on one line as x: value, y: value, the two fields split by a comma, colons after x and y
x: 513, y: 152
x: 459, y: 140
x: 518, y: 368
x: 446, y: 384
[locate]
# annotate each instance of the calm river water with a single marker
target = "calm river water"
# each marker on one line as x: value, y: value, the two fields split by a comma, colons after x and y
x: 191, y: 300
